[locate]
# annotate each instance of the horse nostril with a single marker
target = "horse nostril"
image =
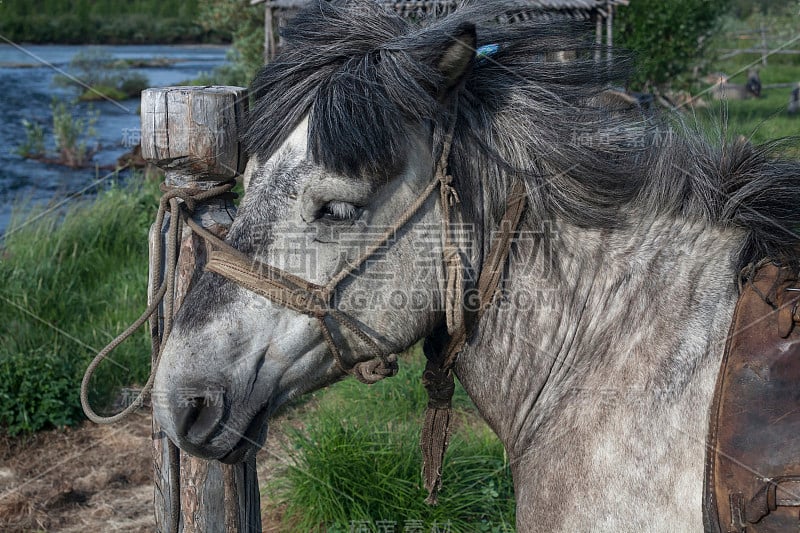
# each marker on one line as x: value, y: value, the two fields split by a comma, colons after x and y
x: 198, y: 417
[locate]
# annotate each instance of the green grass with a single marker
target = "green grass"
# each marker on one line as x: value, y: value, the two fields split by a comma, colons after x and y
x: 759, y: 119
x: 357, y: 463
x: 72, y: 280
x: 102, y: 92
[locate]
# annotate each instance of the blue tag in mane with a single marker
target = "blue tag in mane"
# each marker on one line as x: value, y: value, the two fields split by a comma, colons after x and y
x: 486, y: 50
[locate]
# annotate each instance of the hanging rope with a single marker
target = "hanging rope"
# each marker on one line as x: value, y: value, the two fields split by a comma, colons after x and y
x: 438, y: 375
x: 175, y: 201
x: 164, y: 294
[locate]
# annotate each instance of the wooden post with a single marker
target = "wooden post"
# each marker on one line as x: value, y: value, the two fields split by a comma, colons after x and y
x: 598, y: 34
x: 192, y: 133
x: 270, y: 29
x: 270, y: 45
x: 764, y: 45
x: 610, y: 31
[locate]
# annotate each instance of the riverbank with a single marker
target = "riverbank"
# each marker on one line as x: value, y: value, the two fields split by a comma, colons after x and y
x: 29, y: 91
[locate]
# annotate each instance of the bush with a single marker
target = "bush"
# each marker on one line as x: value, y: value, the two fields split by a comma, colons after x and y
x: 35, y: 391
x: 244, y: 25
x: 102, y: 92
x: 133, y: 84
x: 102, y: 21
x: 72, y: 135
x: 667, y: 37
x: 33, y: 145
x: 72, y: 280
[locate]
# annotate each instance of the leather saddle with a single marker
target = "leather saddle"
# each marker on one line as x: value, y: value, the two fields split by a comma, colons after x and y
x: 752, y: 474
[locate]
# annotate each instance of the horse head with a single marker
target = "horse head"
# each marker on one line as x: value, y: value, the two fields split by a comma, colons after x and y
x: 325, y: 182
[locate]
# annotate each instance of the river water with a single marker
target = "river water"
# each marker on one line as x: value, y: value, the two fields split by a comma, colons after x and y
x: 26, y: 91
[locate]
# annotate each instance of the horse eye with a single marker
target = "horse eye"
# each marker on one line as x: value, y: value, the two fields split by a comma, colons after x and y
x: 338, y: 211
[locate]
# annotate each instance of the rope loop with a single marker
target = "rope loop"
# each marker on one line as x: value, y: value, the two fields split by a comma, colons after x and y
x: 374, y: 370
x: 163, y: 291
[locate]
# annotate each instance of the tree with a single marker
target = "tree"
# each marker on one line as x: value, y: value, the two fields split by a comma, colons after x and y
x: 666, y: 37
x: 245, y: 24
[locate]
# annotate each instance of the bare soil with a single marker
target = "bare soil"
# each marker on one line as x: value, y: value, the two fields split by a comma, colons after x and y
x: 95, y: 479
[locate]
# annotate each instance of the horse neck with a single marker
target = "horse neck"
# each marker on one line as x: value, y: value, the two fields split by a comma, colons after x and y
x: 582, y: 310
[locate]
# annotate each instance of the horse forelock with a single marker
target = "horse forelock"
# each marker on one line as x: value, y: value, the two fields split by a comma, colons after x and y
x: 364, y: 78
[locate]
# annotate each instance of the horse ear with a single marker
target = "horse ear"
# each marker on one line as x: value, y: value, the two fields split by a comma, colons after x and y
x: 457, y: 57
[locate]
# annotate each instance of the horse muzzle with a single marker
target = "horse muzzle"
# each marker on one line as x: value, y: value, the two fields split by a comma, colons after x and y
x: 198, y: 420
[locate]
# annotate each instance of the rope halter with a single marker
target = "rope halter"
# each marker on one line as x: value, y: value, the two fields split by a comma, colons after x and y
x: 316, y: 301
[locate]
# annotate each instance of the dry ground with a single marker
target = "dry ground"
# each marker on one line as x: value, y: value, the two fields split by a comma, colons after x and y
x: 91, y: 479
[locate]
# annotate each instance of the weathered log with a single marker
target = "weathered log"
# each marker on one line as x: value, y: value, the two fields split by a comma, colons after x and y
x: 192, y: 133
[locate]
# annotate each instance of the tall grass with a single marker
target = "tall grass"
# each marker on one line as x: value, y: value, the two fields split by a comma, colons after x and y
x: 356, y: 464
x: 71, y: 281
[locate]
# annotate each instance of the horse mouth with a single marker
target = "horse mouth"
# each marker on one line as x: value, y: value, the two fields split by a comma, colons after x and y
x: 250, y: 441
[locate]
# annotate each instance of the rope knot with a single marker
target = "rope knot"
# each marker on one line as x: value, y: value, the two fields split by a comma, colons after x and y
x: 189, y: 202
x: 440, y: 386
x: 374, y: 370
x: 191, y: 196
x: 448, y: 191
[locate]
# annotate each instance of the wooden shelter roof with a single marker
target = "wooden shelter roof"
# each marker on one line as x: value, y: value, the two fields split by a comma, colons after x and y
x: 277, y: 12
x: 411, y: 5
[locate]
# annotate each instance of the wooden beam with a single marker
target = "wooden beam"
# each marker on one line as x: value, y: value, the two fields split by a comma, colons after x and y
x: 610, y: 32
x: 598, y: 35
x: 270, y: 46
x: 193, y: 134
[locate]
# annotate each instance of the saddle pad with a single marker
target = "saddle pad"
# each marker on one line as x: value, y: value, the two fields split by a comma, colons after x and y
x: 752, y: 477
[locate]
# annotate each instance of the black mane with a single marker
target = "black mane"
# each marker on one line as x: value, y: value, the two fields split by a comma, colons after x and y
x: 364, y: 75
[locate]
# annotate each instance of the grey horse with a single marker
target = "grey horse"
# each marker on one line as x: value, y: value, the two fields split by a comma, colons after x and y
x: 597, y: 361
